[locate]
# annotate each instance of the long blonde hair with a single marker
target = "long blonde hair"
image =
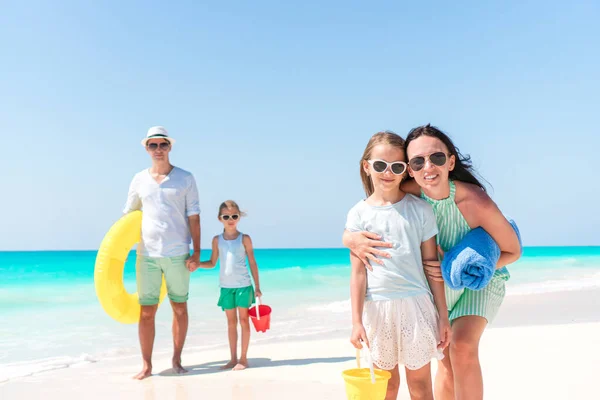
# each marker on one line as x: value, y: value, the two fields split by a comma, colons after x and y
x: 385, y: 137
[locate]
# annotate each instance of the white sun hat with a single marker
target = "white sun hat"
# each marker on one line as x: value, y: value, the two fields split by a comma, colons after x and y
x: 157, y: 132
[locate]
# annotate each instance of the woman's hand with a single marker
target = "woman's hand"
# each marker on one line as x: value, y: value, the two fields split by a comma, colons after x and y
x: 445, y: 333
x: 433, y: 268
x: 363, y: 244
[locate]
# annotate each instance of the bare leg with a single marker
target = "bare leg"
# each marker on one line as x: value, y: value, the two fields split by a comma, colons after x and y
x: 180, y: 326
x: 232, y: 334
x: 419, y: 383
x: 393, y: 384
x: 444, y: 378
x: 245, y: 325
x: 464, y: 352
x: 146, y: 331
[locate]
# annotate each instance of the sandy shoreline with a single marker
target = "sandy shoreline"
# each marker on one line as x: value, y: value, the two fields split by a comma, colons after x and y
x: 540, y: 346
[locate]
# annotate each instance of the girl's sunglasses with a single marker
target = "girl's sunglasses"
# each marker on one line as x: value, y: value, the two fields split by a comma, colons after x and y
x: 233, y: 217
x: 163, y: 146
x: 417, y: 163
x: 397, y: 167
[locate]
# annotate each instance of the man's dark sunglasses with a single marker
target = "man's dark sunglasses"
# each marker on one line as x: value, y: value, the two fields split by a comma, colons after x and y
x: 163, y: 146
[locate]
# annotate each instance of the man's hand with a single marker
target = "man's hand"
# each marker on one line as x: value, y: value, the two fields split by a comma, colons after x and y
x: 193, y: 262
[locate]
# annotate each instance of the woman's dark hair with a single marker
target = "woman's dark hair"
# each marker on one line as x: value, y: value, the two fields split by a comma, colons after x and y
x: 463, y: 168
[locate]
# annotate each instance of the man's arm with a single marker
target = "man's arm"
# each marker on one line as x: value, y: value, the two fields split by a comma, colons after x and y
x: 195, y: 232
x: 134, y: 202
x: 192, y: 205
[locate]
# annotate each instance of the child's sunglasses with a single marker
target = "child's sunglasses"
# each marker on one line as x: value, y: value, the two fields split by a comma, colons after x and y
x: 163, y: 146
x: 397, y: 167
x: 233, y: 217
x: 417, y: 163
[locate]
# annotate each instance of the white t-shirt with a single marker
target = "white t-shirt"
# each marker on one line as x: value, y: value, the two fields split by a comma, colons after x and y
x: 405, y: 224
x: 166, y: 208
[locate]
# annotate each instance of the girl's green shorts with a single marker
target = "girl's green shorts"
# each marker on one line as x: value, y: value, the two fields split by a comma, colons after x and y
x: 231, y: 298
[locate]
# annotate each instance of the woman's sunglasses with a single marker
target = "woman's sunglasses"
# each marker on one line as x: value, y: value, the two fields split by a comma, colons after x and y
x: 233, y: 217
x: 163, y: 146
x: 417, y: 163
x: 397, y: 167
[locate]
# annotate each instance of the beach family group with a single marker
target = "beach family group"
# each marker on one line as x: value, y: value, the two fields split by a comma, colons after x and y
x: 428, y: 253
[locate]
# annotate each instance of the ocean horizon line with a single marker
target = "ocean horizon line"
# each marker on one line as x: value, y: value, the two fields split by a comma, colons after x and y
x: 274, y: 248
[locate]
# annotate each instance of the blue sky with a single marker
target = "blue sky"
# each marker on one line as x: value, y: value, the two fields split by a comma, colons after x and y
x: 272, y: 104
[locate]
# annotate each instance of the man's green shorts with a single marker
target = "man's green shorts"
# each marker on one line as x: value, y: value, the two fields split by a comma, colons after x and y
x: 149, y: 272
x: 231, y: 298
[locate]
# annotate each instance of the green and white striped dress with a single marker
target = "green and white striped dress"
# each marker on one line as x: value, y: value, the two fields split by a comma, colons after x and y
x: 452, y: 228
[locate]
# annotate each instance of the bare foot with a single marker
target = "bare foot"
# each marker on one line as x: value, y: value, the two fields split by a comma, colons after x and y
x: 177, y: 368
x: 229, y: 365
x: 146, y: 372
x: 243, y: 364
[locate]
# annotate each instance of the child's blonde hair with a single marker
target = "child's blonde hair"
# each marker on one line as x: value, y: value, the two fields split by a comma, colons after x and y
x: 230, y: 205
x: 386, y: 137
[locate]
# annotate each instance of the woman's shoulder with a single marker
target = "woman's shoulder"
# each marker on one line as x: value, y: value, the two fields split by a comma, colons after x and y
x: 473, y: 198
x: 470, y: 192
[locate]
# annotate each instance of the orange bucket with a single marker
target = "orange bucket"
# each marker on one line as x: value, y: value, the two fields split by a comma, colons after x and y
x: 261, y: 319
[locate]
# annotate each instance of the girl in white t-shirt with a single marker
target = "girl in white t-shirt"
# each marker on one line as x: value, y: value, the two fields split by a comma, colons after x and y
x: 397, y: 311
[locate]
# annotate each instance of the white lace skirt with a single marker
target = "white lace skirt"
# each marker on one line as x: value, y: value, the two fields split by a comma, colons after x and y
x: 402, y: 331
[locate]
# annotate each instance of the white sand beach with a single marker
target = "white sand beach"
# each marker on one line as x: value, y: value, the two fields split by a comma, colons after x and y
x: 541, y: 346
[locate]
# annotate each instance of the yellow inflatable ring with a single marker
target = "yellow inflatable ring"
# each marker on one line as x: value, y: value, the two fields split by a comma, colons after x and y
x: 110, y: 263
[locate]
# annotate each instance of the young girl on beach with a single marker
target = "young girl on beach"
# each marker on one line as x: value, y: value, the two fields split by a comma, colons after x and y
x: 393, y: 312
x: 445, y: 179
x: 237, y: 294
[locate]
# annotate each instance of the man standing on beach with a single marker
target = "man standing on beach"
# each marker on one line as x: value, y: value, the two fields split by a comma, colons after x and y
x: 171, y: 217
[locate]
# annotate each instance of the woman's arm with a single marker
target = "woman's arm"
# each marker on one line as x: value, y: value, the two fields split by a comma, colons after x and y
x: 411, y: 186
x: 480, y: 210
x: 429, y: 253
x: 494, y: 223
x: 363, y: 244
x: 253, y: 267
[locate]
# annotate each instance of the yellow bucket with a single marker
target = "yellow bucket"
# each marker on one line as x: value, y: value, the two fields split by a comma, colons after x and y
x: 359, y: 385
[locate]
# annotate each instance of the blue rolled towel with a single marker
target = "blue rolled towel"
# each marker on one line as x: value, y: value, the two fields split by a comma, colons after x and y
x: 472, y: 262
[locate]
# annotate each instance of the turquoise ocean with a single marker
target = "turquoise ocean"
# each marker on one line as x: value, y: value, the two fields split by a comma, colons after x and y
x: 50, y: 317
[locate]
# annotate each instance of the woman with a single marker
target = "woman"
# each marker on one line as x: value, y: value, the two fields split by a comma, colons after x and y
x: 444, y: 178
